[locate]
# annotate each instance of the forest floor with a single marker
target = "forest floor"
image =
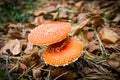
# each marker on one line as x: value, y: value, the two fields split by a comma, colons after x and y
x: 96, y: 23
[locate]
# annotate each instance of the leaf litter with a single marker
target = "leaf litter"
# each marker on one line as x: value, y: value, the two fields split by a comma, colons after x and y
x: 94, y: 23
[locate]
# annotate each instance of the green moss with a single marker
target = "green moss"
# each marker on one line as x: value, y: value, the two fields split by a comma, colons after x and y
x: 15, y: 11
x: 3, y: 75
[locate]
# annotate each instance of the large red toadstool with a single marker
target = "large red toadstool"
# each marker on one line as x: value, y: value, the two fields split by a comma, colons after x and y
x: 49, y: 33
x: 63, y: 53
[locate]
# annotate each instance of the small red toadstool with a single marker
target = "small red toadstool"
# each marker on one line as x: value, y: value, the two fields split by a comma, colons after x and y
x: 63, y: 53
x: 49, y: 33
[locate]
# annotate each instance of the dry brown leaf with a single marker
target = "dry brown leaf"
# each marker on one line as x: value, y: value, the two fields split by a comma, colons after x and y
x: 114, y: 63
x: 83, y: 40
x: 39, y: 20
x: 15, y: 34
x: 54, y: 15
x: 2, y: 66
x: 22, y: 66
x: 29, y: 48
x: 63, y: 15
x: 18, y: 25
x: 72, y: 17
x: 82, y: 17
x: 13, y: 45
x: 30, y: 26
x: 38, y: 12
x: 97, y: 21
x: 90, y: 35
x: 11, y: 65
x: 76, y: 29
x: 108, y: 35
x: 44, y: 11
x: 36, y: 74
x: 50, y: 9
x: 93, y: 46
x: 62, y: 74
x: 117, y: 18
x: 79, y: 5
x: 32, y: 59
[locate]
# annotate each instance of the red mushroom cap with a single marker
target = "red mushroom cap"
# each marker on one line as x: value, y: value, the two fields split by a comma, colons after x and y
x: 49, y: 33
x: 63, y: 53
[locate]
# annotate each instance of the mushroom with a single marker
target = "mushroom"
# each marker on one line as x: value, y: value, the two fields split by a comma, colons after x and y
x: 49, y: 33
x: 63, y: 53
x: 62, y: 50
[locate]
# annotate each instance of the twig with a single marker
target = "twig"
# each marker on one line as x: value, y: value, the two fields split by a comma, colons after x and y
x: 48, y: 76
x: 76, y: 30
x: 13, y: 68
x: 9, y: 77
x: 60, y: 75
x: 26, y: 71
x: 102, y: 48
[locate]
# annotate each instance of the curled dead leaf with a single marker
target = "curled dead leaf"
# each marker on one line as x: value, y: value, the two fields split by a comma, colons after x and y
x: 13, y: 45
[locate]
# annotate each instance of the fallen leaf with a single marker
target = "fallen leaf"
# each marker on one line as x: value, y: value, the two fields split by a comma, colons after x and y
x: 97, y: 21
x: 54, y: 3
x: 62, y: 74
x: 29, y: 26
x: 32, y: 59
x: 39, y: 20
x: 11, y: 65
x: 2, y: 42
x: 90, y: 35
x: 2, y: 66
x: 18, y: 25
x: 15, y: 34
x: 114, y: 63
x: 82, y: 17
x: 63, y: 15
x: 29, y: 48
x: 22, y: 66
x: 117, y: 18
x: 72, y: 17
x: 83, y: 40
x: 44, y: 11
x: 50, y: 9
x: 36, y: 74
x: 93, y: 46
x: 38, y: 12
x: 79, y: 5
x: 108, y: 35
x: 76, y: 29
x: 13, y: 45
